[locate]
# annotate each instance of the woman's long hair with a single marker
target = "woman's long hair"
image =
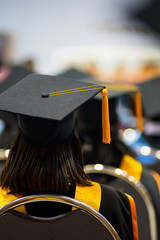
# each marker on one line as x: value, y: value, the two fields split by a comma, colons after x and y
x: 52, y: 169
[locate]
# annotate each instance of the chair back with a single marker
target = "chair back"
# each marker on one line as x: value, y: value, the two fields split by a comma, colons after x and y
x: 119, y: 179
x: 82, y: 223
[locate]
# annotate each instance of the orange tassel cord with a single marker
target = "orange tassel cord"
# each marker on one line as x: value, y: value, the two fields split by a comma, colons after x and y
x: 105, y: 117
x: 138, y: 110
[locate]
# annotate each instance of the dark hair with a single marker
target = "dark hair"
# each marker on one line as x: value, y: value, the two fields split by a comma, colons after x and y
x: 51, y: 169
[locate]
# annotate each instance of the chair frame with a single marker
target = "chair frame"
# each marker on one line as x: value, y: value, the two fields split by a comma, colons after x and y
x: 65, y: 200
x: 138, y: 186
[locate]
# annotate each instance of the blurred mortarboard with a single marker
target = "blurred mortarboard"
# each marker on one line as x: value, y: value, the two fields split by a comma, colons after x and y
x: 17, y: 73
x: 117, y: 90
x: 114, y: 92
x: 87, y: 111
x: 149, y: 13
x: 45, y: 106
x: 151, y: 97
x: 73, y: 73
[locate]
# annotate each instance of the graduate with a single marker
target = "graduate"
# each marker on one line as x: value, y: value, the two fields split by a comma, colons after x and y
x: 117, y: 153
x: 46, y: 155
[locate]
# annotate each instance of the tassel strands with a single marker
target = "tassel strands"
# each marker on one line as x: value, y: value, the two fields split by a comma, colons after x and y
x: 138, y: 110
x: 105, y: 117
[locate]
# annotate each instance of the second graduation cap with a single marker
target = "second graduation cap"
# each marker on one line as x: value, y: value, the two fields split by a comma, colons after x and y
x: 17, y: 73
x: 151, y: 97
x: 45, y: 106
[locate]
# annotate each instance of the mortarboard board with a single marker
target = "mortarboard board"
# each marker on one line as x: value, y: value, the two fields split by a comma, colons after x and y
x: 45, y: 105
x: 17, y: 73
x: 151, y: 97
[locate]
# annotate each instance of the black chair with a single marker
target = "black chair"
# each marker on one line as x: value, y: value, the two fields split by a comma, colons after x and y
x: 81, y: 223
x: 119, y: 179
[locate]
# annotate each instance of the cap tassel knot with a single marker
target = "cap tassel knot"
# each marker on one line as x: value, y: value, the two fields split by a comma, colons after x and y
x: 138, y: 110
x: 105, y: 117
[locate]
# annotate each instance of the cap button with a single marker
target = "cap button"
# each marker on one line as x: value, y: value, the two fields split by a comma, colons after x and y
x: 45, y: 95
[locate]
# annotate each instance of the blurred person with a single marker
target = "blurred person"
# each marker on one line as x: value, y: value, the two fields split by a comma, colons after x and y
x: 4, y: 71
x: 29, y: 65
x: 8, y: 121
x: 151, y: 109
x: 117, y: 153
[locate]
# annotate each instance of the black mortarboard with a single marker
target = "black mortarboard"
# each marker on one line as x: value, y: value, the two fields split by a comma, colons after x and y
x: 88, y: 121
x: 148, y: 13
x: 45, y: 106
x: 114, y: 91
x: 73, y: 73
x: 151, y: 97
x: 17, y: 73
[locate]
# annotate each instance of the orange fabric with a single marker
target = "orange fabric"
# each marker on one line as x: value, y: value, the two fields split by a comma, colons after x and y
x: 138, y: 109
x: 131, y: 166
x: 156, y: 177
x: 105, y: 117
x: 134, y: 217
x: 7, y: 197
x: 90, y: 195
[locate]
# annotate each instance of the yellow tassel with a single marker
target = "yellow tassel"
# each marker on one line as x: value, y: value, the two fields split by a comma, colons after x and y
x: 138, y: 110
x: 105, y: 117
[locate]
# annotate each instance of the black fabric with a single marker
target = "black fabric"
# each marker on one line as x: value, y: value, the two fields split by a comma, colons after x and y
x: 74, y: 225
x: 119, y: 214
x: 73, y: 73
x: 150, y: 97
x: 114, y: 206
x: 150, y: 183
x: 149, y: 14
x: 45, y: 132
x: 48, y: 209
x: 10, y: 129
x: 154, y: 166
x: 17, y: 73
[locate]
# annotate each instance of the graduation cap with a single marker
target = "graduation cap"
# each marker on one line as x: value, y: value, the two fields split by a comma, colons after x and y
x: 73, y: 73
x: 151, y: 97
x: 117, y: 90
x: 149, y: 14
x: 114, y: 91
x: 89, y: 115
x: 45, y: 106
x: 17, y: 73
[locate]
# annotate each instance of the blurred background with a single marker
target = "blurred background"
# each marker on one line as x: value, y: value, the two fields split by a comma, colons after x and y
x: 97, y: 36
x: 110, y: 40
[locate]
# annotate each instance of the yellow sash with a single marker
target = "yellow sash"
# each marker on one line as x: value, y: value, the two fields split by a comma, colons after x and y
x: 6, y: 197
x: 90, y: 195
x: 131, y: 166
